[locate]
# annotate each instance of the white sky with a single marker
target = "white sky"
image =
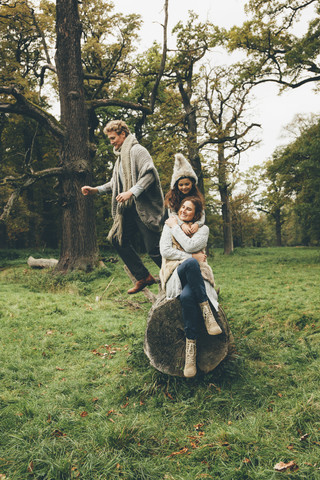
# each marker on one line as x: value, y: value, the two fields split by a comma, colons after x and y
x: 272, y: 111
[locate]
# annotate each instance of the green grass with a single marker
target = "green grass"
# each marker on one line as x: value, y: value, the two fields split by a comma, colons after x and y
x: 79, y: 399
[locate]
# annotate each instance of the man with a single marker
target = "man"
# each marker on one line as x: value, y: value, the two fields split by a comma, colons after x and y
x: 137, y: 201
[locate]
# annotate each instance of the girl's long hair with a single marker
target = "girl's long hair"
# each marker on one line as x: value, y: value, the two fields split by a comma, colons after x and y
x: 174, y: 197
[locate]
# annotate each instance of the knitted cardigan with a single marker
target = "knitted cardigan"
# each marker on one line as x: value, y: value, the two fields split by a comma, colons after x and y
x: 173, y: 257
x: 150, y: 203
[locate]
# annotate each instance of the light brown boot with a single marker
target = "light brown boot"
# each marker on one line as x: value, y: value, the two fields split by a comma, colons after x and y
x: 209, y: 320
x: 190, y: 367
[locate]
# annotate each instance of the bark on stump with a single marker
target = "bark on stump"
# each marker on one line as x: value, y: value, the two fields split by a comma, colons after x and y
x: 164, y: 342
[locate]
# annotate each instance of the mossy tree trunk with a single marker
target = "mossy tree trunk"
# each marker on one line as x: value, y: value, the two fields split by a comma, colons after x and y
x: 78, y: 241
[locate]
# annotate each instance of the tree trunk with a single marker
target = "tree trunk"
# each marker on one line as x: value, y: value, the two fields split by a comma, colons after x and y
x: 192, y: 127
x: 225, y: 202
x: 78, y: 236
x: 164, y: 342
x: 277, y: 217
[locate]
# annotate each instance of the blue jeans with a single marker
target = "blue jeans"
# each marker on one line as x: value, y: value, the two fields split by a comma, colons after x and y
x: 193, y: 293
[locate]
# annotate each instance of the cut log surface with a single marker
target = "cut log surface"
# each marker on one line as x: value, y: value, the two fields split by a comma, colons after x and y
x: 42, y: 262
x: 164, y: 342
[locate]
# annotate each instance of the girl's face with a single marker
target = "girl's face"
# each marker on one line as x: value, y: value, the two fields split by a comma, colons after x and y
x: 187, y: 211
x: 185, y: 185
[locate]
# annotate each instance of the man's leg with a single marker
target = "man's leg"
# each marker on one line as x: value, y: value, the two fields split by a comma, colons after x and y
x: 126, y: 251
x: 151, y: 241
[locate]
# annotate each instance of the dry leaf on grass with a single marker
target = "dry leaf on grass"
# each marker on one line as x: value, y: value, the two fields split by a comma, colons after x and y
x: 283, y: 467
x: 180, y: 452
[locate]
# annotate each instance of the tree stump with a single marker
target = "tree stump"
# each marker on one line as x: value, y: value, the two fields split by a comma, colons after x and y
x: 164, y: 342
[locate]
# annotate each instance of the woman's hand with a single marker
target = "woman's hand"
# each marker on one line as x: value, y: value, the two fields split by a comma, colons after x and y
x: 194, y: 228
x: 172, y: 221
x: 124, y: 196
x: 86, y: 190
x: 200, y: 256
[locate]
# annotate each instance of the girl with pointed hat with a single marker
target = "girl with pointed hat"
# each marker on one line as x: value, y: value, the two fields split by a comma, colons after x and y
x: 183, y: 184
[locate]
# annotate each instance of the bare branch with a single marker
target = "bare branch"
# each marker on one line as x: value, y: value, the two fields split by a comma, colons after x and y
x: 163, y: 59
x: 25, y: 182
x: 25, y: 107
x: 227, y: 138
x: 117, y: 102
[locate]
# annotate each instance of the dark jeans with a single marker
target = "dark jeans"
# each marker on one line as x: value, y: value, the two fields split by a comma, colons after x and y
x: 132, y: 224
x: 193, y: 293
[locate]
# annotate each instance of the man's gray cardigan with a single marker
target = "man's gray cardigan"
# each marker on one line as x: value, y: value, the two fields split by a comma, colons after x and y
x: 149, y: 203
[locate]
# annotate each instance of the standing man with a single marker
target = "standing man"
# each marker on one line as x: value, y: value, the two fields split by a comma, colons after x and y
x: 137, y: 201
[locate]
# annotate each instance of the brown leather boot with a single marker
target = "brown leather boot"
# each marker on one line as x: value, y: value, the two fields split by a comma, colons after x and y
x: 190, y: 366
x: 141, y: 284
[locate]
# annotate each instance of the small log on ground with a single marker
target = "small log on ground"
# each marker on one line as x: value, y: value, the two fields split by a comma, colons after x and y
x: 164, y: 342
x: 42, y: 262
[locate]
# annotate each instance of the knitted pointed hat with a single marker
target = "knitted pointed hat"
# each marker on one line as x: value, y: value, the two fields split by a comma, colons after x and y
x: 182, y: 169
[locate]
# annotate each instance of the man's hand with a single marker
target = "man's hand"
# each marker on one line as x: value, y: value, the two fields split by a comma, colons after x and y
x: 86, y: 190
x: 172, y: 221
x: 124, y: 196
x: 200, y: 256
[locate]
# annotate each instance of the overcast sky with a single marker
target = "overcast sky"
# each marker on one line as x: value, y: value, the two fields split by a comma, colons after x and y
x: 274, y: 112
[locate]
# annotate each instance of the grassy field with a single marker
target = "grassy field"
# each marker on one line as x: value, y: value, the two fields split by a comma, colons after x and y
x: 79, y: 399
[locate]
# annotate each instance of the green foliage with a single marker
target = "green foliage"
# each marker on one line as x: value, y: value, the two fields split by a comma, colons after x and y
x: 294, y: 174
x: 80, y: 400
x: 276, y: 52
x: 25, y: 147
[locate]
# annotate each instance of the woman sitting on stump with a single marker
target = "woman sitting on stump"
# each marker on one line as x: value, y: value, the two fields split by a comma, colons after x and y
x: 186, y: 274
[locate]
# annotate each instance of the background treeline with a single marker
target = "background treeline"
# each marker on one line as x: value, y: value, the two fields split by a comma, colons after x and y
x: 173, y: 100
x: 279, y: 202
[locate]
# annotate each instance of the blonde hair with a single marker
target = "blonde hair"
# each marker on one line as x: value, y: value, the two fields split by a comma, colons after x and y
x: 117, y: 126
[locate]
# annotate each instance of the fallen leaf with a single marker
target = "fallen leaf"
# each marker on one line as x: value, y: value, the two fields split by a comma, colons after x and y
x: 198, y: 426
x: 180, y: 452
x: 246, y: 460
x: 95, y: 399
x: 49, y: 332
x: 304, y: 437
x: 60, y: 369
x: 30, y: 467
x: 282, y: 467
x: 169, y: 396
x: 83, y: 414
x: 215, y: 386
x: 58, y: 433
